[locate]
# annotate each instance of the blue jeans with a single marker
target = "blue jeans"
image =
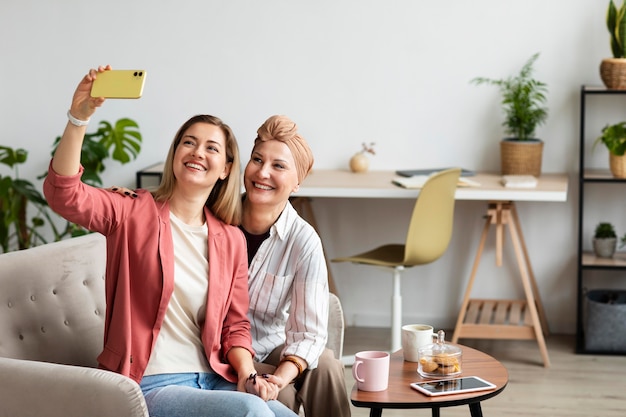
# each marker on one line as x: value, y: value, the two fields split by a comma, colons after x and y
x: 203, y: 395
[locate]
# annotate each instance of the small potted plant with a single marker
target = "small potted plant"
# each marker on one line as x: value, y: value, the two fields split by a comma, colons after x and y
x: 613, y: 70
x: 604, y: 240
x: 359, y: 162
x: 523, y: 102
x: 614, y: 138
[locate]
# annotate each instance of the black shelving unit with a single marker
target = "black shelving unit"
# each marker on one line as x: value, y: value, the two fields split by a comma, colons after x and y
x: 587, y: 261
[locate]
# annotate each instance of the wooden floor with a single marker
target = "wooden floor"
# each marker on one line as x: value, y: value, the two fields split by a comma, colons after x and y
x: 574, y: 385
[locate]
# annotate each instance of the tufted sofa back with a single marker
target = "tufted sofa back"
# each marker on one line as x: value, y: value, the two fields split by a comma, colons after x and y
x: 52, y: 301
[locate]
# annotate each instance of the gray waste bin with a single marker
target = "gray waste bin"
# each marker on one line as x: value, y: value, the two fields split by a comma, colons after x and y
x: 605, y: 325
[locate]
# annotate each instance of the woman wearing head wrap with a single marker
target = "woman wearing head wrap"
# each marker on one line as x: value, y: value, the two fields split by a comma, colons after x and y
x: 288, y: 279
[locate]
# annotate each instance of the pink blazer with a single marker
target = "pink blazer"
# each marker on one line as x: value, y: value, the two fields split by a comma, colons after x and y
x: 140, y: 274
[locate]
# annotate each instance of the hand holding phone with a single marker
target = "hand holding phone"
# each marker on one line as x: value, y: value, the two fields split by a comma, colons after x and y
x: 119, y: 84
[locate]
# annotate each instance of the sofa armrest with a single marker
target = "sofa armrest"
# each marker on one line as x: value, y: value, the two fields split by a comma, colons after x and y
x: 30, y: 388
x: 336, y: 326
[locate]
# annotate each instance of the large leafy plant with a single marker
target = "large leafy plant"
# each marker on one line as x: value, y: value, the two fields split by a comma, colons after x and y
x: 17, y: 230
x: 523, y: 101
x: 121, y: 142
x: 19, y: 198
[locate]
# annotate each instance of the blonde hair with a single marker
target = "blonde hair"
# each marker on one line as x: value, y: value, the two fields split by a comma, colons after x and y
x: 225, y: 198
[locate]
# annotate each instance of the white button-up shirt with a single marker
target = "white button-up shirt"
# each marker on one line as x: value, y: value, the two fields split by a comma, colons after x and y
x: 288, y: 286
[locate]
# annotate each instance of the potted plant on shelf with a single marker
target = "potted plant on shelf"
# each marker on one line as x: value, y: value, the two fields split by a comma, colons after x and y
x: 613, y: 70
x: 614, y: 138
x: 604, y: 240
x: 523, y: 102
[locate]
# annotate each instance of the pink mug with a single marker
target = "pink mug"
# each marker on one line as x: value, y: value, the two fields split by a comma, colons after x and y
x: 371, y: 370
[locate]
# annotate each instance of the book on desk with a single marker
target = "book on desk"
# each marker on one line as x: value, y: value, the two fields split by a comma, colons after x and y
x: 430, y: 171
x: 418, y: 181
x: 519, y: 181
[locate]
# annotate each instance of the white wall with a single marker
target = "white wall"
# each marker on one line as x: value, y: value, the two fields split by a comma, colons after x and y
x: 392, y: 72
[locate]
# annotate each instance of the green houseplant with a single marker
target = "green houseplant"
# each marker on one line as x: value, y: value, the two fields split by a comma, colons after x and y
x: 19, y: 198
x: 120, y: 141
x: 524, y: 105
x: 604, y: 240
x: 613, y: 70
x: 17, y: 229
x: 614, y: 138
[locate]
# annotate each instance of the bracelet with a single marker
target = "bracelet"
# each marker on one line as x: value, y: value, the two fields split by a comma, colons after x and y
x: 296, y: 362
x: 75, y: 121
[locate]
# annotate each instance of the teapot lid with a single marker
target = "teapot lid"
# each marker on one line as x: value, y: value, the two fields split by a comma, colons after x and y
x: 440, y: 347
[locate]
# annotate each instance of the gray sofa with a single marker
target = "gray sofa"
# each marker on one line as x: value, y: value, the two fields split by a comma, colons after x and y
x: 51, y: 326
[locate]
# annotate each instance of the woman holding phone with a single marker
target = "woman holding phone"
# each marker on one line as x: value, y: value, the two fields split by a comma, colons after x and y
x: 176, y: 276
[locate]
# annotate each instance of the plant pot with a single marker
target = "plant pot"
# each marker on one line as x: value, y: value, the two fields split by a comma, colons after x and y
x: 617, y: 164
x: 613, y: 73
x: 604, y: 247
x: 521, y: 157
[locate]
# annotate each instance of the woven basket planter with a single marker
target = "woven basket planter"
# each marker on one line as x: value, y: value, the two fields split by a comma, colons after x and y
x: 613, y: 73
x: 617, y: 164
x: 521, y: 157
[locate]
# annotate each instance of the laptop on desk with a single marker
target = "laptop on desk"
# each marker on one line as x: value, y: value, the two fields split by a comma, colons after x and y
x: 414, y: 172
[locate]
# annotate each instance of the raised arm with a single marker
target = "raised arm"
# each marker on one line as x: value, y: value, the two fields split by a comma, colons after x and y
x: 66, y: 159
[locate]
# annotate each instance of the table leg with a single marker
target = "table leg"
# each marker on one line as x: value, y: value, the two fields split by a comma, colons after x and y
x: 435, y: 411
x: 475, y: 410
x: 376, y: 412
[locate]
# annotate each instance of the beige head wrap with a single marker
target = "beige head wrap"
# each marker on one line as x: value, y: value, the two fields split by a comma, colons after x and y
x: 281, y: 128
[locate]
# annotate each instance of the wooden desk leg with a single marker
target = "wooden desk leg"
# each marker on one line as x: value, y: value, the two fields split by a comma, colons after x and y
x: 435, y: 412
x: 376, y: 412
x: 530, y: 286
x: 475, y: 319
x: 533, y: 282
x: 470, y: 284
x: 304, y: 209
x: 475, y: 410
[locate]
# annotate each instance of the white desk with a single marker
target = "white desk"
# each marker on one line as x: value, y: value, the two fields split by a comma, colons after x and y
x: 377, y: 184
x: 491, y: 319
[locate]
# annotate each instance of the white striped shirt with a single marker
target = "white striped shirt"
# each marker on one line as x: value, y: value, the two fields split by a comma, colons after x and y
x: 288, y: 288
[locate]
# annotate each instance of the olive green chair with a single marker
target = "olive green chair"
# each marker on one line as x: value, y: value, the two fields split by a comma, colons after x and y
x: 429, y: 233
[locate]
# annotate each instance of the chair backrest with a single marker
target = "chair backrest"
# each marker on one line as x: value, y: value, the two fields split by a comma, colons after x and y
x: 430, y: 228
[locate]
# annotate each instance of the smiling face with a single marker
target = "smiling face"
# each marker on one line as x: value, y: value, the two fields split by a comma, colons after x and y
x: 270, y: 176
x: 200, y: 157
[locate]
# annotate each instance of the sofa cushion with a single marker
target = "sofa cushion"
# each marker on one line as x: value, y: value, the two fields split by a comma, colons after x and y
x: 52, y: 302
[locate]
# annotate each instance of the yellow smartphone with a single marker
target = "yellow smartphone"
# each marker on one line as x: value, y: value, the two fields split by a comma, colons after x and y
x: 119, y: 84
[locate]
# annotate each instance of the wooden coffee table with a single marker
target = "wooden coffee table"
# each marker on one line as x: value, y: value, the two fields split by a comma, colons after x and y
x: 400, y: 395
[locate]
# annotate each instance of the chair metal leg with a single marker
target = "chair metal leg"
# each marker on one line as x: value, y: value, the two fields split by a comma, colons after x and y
x: 396, y: 311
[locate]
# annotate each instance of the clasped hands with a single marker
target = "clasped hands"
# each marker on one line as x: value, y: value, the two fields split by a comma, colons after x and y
x: 266, y: 386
